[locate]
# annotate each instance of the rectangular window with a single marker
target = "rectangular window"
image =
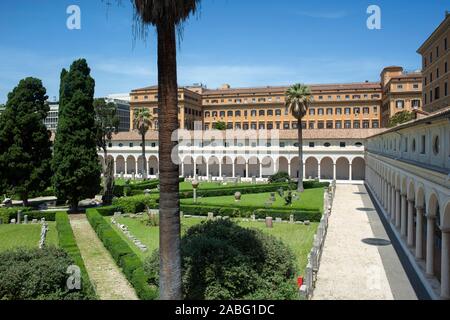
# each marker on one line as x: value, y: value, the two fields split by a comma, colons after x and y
x: 311, y: 145
x: 366, y: 110
x: 342, y: 144
x: 282, y: 144
x: 312, y: 111
x: 422, y: 145
x: 311, y: 124
x: 437, y: 93
x: 347, y: 124
x: 320, y: 112
x: 356, y: 125
x: 338, y: 111
x: 400, y: 104
x: 446, y: 89
x: 366, y: 124
x: 338, y: 125
x: 329, y: 124
x: 269, y: 125
x: 320, y: 125
x: 286, y: 125
x: 329, y: 111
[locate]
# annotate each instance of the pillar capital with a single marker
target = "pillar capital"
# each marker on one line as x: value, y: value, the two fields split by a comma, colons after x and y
x: 420, y: 208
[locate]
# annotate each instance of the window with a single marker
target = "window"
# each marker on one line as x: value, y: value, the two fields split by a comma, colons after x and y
x: 230, y: 114
x: 366, y: 124
x: 238, y: 126
x: 422, y: 145
x: 282, y: 144
x: 415, y: 86
x: 131, y: 144
x: 446, y: 89
x: 294, y: 125
x: 356, y: 125
x: 286, y: 125
x: 400, y: 104
x: 437, y: 93
x: 253, y: 125
x: 262, y: 113
x: 415, y: 104
x: 253, y: 113
x: 311, y: 145
x: 214, y: 114
x: 445, y: 44
x: 110, y: 145
x: 399, y: 86
x: 357, y: 111
x: 366, y: 110
x: 311, y: 124
x: 269, y: 125
x: 327, y: 145
x: 329, y: 124
x: 153, y: 144
x: 270, y: 112
x: 262, y: 126
x: 329, y: 111
x: 320, y: 125
x: 338, y: 124
x: 278, y: 125
x: 358, y: 144
x: 347, y: 124
x: 342, y: 144
x: 237, y: 113
x: 229, y: 125
x: 320, y: 112
x: 222, y: 114
x: 436, y: 145
x: 120, y: 145
x: 245, y: 126
x: 413, y: 145
x: 347, y: 111
x: 278, y: 112
x: 303, y: 124
x: 338, y: 111
x: 312, y: 111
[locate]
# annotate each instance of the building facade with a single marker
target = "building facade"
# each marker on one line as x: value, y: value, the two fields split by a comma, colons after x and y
x: 408, y: 172
x: 51, y: 122
x: 123, y: 112
x: 435, y: 62
x: 334, y: 106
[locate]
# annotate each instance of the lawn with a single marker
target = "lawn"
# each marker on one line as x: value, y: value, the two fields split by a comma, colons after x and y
x: 298, y: 237
x: 187, y: 186
x: 311, y: 199
x: 14, y: 236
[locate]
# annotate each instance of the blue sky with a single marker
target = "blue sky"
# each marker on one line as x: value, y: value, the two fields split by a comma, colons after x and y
x: 243, y: 43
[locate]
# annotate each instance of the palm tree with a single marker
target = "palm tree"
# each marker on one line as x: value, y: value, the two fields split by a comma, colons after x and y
x: 142, y: 122
x: 298, y: 98
x: 167, y: 16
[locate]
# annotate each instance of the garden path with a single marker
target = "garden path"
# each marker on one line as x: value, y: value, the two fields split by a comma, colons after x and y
x: 359, y: 261
x: 106, y: 277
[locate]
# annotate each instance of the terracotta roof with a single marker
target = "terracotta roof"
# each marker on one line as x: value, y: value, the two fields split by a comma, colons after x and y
x: 283, y: 134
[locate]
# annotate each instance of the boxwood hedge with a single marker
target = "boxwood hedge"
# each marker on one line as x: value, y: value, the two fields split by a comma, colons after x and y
x: 124, y: 256
x: 6, y: 214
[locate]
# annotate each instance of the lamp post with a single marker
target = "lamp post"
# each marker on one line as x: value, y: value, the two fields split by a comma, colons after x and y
x: 195, y: 184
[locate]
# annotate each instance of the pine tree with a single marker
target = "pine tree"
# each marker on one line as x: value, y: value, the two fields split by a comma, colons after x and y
x: 25, y: 147
x: 75, y: 162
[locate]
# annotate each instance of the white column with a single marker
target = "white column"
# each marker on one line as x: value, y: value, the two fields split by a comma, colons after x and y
x: 260, y: 169
x: 419, y: 232
x: 397, y: 209
x: 304, y: 169
x: 445, y: 264
x: 220, y: 169
x: 430, y: 245
x: 115, y: 168
x: 393, y: 217
x: 404, y: 217
x: 207, y: 169
x: 318, y: 171
x: 126, y: 166
x: 289, y: 168
x: 195, y: 168
x: 334, y: 170
x: 410, y: 223
x: 350, y: 175
x: 182, y: 168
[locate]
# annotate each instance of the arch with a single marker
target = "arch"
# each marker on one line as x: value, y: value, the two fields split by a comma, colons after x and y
x: 446, y: 216
x: 214, y: 166
x: 188, y: 164
x: 311, y: 168
x: 240, y: 167
x: 120, y: 165
x: 267, y: 166
x: 227, y: 166
x: 326, y: 169
x: 140, y: 165
x: 201, y: 166
x: 411, y: 193
x: 436, y: 238
x: 153, y: 166
x: 358, y: 169
x: 295, y: 167
x: 342, y: 169
x: 131, y: 165
x: 253, y: 167
x: 283, y: 164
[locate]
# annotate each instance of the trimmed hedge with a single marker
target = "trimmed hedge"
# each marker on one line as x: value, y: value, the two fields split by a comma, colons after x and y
x: 138, y: 188
x: 11, y: 213
x: 124, y: 256
x: 134, y: 204
x: 299, y: 215
x: 68, y: 243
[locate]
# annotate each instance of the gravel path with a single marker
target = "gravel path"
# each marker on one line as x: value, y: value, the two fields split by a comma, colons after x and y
x: 359, y: 261
x: 105, y: 275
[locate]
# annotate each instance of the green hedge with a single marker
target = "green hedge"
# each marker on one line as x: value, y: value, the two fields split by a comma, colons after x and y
x: 138, y: 188
x: 68, y: 243
x: 124, y: 256
x: 11, y: 213
x: 299, y: 215
x: 134, y: 204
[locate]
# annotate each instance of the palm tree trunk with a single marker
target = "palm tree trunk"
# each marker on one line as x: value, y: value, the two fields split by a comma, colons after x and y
x: 169, y: 205
x: 144, y: 160
x: 300, y: 155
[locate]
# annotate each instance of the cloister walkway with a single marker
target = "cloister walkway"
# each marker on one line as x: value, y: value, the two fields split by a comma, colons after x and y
x: 105, y: 275
x: 359, y: 262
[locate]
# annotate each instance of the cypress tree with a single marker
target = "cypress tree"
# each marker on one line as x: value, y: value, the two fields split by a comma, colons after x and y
x: 75, y: 160
x: 25, y: 147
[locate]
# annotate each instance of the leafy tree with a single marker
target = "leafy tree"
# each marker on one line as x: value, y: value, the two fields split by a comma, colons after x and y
x: 142, y: 122
x: 220, y: 126
x: 25, y: 147
x: 75, y: 161
x: 166, y: 16
x: 106, y: 124
x: 298, y: 99
x: 223, y: 261
x: 401, y: 117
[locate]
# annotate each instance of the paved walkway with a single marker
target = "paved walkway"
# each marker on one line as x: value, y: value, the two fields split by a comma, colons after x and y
x: 107, y: 278
x: 359, y: 261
